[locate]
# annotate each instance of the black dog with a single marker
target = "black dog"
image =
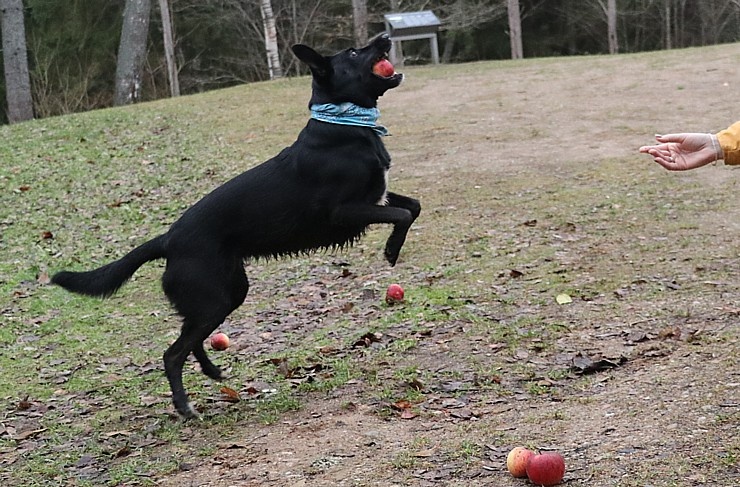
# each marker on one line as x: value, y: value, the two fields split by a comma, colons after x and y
x: 321, y: 192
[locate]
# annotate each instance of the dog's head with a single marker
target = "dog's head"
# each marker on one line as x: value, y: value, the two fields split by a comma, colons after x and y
x: 350, y: 75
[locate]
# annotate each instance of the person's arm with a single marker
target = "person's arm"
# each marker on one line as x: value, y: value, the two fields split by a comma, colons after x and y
x: 681, y: 152
x: 729, y: 140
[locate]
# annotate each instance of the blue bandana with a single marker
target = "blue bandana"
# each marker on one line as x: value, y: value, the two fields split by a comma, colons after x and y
x: 348, y: 114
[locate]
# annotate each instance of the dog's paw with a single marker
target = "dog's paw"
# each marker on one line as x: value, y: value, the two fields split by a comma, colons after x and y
x: 214, y: 373
x: 391, y: 257
x: 188, y: 412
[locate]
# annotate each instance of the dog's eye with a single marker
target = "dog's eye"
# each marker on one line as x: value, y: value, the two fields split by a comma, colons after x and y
x: 352, y: 53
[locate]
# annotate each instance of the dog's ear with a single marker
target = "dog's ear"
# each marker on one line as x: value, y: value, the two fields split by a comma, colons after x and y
x: 320, y: 65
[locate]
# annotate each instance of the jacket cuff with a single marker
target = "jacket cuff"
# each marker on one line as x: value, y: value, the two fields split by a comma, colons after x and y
x: 729, y: 140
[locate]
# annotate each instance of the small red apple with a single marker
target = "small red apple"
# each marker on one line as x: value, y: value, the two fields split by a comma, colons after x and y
x: 394, y: 294
x: 516, y: 461
x: 220, y: 341
x: 546, y: 469
x: 384, y: 68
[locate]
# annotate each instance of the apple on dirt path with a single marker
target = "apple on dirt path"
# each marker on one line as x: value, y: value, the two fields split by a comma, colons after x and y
x: 546, y: 469
x: 220, y: 341
x: 516, y: 461
x: 394, y: 294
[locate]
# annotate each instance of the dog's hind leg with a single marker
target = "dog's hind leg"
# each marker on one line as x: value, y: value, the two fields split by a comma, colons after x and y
x: 204, y: 292
x: 239, y: 288
x: 174, y: 360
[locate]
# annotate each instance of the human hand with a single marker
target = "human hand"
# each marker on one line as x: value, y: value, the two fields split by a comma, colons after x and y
x: 681, y: 152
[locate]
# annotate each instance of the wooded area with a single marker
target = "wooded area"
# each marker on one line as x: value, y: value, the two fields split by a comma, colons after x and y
x: 87, y: 54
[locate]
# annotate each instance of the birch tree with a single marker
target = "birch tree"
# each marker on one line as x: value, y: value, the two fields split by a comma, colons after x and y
x: 132, y: 51
x: 271, y: 42
x: 611, y: 22
x: 515, y: 29
x: 359, y: 16
x: 168, y: 40
x: 15, y: 61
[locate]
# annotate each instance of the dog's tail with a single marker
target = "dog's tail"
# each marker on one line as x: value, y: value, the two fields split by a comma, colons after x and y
x: 106, y: 280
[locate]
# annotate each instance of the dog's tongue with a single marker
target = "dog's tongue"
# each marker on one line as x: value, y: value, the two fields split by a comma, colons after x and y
x: 384, y: 68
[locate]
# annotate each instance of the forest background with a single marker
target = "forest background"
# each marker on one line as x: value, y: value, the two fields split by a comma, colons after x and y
x: 74, y: 48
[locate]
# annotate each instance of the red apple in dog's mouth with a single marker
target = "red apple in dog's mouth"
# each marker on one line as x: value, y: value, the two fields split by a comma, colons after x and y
x: 384, y: 68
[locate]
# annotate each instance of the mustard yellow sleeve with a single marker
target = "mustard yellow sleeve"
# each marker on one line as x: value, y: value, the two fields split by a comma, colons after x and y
x: 729, y: 140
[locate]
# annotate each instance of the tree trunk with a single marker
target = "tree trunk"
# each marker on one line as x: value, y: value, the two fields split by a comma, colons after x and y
x: 449, y: 46
x: 611, y: 20
x: 132, y: 51
x: 271, y: 42
x: 668, y: 24
x: 15, y: 60
x: 359, y: 15
x: 515, y: 29
x: 169, y: 48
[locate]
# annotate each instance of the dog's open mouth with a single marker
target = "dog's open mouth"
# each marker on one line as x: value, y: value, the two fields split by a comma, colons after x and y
x: 383, y: 67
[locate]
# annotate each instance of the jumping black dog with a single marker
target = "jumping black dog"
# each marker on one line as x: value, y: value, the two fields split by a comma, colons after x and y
x: 321, y: 192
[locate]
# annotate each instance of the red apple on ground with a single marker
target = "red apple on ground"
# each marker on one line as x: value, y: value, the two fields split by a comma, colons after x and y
x: 220, y: 341
x: 394, y: 294
x: 546, y: 469
x: 516, y: 461
x: 384, y: 68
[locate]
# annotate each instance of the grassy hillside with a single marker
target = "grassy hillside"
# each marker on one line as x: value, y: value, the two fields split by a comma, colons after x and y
x: 531, y: 188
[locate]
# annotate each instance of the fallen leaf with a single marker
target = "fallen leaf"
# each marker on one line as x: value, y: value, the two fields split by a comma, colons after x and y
x: 118, y: 433
x: 563, y: 299
x: 368, y: 339
x: 123, y: 452
x: 43, y: 278
x: 28, y: 434
x: 24, y: 404
x: 234, y: 445
x: 583, y: 364
x: 230, y: 395
x: 670, y: 332
x: 85, y: 461
x: 408, y: 414
x: 403, y: 404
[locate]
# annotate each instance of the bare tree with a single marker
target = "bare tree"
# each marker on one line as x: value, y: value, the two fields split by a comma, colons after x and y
x: 169, y: 47
x: 668, y: 23
x: 611, y: 22
x: 271, y: 42
x: 359, y: 15
x: 15, y: 60
x: 515, y: 29
x: 609, y: 9
x: 132, y: 51
x: 714, y: 17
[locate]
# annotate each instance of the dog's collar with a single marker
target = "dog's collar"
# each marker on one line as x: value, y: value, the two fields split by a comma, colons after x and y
x: 348, y: 114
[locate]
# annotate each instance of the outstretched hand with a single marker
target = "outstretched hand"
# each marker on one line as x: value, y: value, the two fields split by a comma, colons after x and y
x: 681, y: 152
